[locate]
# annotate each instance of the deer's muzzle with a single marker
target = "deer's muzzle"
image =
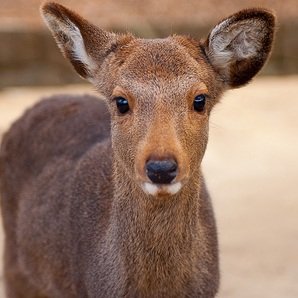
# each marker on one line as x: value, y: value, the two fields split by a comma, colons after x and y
x: 161, y: 171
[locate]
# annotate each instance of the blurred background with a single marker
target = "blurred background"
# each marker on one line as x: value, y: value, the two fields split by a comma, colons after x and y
x: 29, y: 57
x: 251, y: 164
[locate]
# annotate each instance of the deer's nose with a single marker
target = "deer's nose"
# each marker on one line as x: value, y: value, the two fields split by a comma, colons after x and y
x: 161, y: 171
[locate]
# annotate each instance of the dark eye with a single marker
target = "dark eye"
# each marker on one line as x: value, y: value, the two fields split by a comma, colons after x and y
x: 122, y: 105
x: 199, y: 102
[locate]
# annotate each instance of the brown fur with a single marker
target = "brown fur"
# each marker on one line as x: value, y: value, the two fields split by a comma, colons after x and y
x: 77, y: 221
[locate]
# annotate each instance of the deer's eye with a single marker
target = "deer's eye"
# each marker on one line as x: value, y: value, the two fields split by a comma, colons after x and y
x: 199, y: 102
x: 122, y: 105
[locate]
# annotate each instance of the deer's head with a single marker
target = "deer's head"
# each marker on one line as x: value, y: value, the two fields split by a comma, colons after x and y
x: 160, y: 92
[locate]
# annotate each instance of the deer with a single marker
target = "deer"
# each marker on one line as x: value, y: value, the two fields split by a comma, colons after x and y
x: 105, y: 196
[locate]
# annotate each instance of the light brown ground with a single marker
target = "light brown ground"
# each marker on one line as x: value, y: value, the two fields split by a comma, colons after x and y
x: 251, y: 168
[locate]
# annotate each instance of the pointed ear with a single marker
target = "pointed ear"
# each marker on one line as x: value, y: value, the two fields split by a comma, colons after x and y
x: 239, y: 46
x: 84, y: 44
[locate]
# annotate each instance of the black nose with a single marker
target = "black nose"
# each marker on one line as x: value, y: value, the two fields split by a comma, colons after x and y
x: 161, y: 171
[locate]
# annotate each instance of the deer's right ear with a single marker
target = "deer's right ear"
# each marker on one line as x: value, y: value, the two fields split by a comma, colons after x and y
x: 239, y: 45
x: 84, y: 44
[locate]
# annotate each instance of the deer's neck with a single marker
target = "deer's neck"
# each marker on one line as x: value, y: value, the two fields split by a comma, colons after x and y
x: 156, y: 238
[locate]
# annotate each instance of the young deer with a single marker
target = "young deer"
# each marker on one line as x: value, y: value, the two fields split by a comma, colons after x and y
x: 106, y: 198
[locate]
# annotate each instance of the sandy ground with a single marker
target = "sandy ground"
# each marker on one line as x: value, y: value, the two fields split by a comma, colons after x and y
x: 251, y: 169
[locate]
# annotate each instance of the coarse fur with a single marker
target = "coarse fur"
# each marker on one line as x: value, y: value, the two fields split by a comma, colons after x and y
x: 81, y: 217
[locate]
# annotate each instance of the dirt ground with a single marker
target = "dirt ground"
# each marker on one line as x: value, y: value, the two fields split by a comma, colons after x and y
x: 251, y: 168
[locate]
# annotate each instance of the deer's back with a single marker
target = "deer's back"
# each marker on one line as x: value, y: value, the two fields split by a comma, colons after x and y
x: 58, y: 128
x: 61, y: 126
x: 43, y: 158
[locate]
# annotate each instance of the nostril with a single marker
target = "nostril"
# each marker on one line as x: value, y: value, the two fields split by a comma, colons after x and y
x: 161, y: 171
x: 161, y: 165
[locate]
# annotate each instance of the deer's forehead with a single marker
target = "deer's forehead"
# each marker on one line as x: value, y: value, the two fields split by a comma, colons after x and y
x: 162, y: 58
x: 180, y: 87
x: 161, y: 67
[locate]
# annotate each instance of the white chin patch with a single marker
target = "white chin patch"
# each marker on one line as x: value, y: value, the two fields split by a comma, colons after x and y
x: 162, y: 189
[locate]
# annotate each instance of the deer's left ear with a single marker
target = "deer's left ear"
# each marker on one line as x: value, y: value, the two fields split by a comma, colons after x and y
x: 239, y: 46
x: 82, y: 43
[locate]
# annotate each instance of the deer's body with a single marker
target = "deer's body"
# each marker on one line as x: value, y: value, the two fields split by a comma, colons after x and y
x: 144, y: 251
x: 116, y: 206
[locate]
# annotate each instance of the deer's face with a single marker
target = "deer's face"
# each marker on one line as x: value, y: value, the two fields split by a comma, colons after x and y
x: 160, y: 105
x: 160, y: 92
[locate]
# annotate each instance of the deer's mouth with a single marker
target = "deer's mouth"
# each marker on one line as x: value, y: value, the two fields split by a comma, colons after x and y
x: 162, y: 177
x: 161, y: 189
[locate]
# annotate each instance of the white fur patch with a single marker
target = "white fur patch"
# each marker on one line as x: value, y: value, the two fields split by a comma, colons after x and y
x: 79, y: 50
x: 155, y: 189
x: 174, y: 188
x: 150, y: 188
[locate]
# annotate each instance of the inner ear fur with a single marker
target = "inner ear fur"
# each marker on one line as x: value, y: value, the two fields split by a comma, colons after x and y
x: 238, y: 46
x: 83, y: 43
